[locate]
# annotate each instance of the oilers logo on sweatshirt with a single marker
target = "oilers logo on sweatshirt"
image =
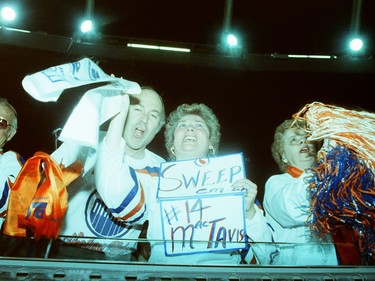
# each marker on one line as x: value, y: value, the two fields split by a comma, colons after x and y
x: 100, y: 221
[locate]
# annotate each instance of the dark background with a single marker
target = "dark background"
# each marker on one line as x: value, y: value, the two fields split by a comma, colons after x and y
x: 250, y: 101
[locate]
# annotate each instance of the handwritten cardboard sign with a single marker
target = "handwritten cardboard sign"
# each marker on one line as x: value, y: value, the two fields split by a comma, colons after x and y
x: 200, y: 210
x: 206, y: 176
x: 203, y: 224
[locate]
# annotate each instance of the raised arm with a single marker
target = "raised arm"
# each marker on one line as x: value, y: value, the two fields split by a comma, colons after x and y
x: 116, y: 181
x: 116, y: 127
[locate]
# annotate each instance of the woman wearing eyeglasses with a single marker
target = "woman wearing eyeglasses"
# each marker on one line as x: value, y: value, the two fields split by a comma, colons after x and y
x: 10, y: 161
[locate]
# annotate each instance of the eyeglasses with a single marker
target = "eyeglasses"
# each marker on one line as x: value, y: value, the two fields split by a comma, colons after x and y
x: 4, y: 124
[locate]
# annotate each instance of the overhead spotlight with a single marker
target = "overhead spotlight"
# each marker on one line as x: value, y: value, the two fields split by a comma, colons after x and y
x: 8, y: 14
x: 231, y: 44
x: 356, y: 44
x: 87, y: 26
x: 232, y: 40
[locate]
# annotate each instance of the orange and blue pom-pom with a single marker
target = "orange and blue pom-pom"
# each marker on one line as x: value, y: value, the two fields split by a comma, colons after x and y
x: 342, y: 193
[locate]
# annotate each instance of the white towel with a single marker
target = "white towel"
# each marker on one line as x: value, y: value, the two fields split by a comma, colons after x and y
x: 48, y: 84
x: 81, y: 134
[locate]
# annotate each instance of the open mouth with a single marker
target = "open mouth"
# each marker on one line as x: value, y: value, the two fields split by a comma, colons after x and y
x: 190, y: 139
x: 304, y: 150
x: 139, y: 133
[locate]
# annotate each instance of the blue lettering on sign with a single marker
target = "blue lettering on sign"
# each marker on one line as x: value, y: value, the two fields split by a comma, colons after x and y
x: 177, y: 184
x: 183, y: 233
x: 211, y: 190
x: 173, y: 214
x: 197, y: 207
x: 193, y: 179
x: 218, y: 235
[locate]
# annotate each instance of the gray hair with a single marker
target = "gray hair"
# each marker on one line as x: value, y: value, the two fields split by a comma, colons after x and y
x: 201, y: 110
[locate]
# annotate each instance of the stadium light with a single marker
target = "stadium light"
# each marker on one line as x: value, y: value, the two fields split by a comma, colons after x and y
x: 356, y: 44
x: 8, y: 14
x: 232, y: 40
x: 86, y: 26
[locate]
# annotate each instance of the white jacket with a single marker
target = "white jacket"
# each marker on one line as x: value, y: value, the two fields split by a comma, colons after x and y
x: 287, y: 209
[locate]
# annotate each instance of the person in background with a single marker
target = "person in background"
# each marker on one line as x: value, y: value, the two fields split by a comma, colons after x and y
x: 90, y: 231
x: 286, y: 201
x: 192, y: 131
x: 11, y: 164
x: 10, y: 161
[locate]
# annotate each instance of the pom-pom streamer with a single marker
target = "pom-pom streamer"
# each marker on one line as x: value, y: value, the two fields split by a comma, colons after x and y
x: 342, y: 194
x: 353, y: 129
x: 342, y: 187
